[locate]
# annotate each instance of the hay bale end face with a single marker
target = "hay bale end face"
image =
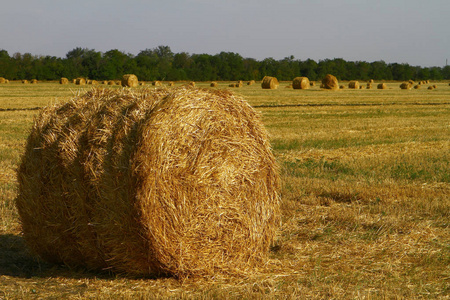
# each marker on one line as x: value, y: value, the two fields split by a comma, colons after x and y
x: 64, y: 80
x: 301, y: 83
x: 330, y: 82
x: 2, y: 80
x: 269, y: 82
x: 80, y: 81
x: 178, y: 181
x: 382, y: 86
x: 129, y: 80
x: 405, y: 86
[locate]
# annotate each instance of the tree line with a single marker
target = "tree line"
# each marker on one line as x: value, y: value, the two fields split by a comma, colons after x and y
x: 161, y: 63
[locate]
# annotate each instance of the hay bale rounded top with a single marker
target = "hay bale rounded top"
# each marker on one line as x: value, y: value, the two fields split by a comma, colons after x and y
x: 2, y: 80
x: 269, y: 82
x: 330, y: 82
x: 80, y: 81
x: 382, y: 86
x: 177, y: 181
x: 129, y: 80
x: 301, y: 83
x: 405, y: 85
x: 64, y: 80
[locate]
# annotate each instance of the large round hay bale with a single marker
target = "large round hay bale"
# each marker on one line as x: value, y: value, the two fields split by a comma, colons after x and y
x: 330, y: 82
x: 64, y: 80
x: 269, y: 82
x: 213, y: 84
x: 2, y: 80
x: 405, y: 86
x: 111, y: 82
x: 177, y: 181
x: 353, y: 84
x: 301, y: 83
x: 251, y: 82
x: 80, y: 81
x: 382, y: 86
x: 129, y: 80
x: 417, y: 86
x: 24, y: 81
x: 34, y: 81
x: 312, y: 83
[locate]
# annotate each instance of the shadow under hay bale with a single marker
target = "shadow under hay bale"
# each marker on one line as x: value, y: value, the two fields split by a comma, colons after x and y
x: 177, y: 181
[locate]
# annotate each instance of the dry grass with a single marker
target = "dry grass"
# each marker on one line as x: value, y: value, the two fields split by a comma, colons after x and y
x: 365, y: 201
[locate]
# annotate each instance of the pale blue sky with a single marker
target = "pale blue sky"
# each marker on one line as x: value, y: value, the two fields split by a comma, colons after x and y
x: 416, y: 32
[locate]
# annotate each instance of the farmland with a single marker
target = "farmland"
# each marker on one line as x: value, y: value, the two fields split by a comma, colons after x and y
x: 365, y: 199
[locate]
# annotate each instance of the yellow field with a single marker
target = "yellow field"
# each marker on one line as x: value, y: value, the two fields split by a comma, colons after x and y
x: 365, y: 200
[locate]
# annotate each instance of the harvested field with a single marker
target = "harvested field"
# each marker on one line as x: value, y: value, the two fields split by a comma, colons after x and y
x: 364, y: 207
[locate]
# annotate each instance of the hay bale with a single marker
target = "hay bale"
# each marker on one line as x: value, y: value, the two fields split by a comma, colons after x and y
x: 269, y: 82
x: 171, y: 83
x: 141, y: 83
x: 232, y: 85
x: 25, y: 81
x: 435, y: 86
x: 175, y: 181
x: 405, y: 86
x: 431, y: 87
x: 34, y: 81
x: 353, y: 84
x: 342, y: 87
x: 371, y: 81
x: 129, y: 80
x: 213, y: 84
x: 192, y: 83
x: 411, y: 82
x: 156, y: 83
x: 369, y: 85
x: 64, y: 80
x: 111, y: 82
x: 105, y: 82
x: 80, y: 81
x: 2, y: 80
x: 251, y: 82
x: 417, y: 86
x: 301, y: 83
x: 330, y: 82
x: 239, y: 84
x: 382, y: 86
x: 312, y: 83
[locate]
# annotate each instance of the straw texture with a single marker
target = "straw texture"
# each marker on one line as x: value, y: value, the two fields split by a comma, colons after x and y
x: 301, y: 83
x: 269, y: 82
x: 177, y: 181
x: 330, y: 82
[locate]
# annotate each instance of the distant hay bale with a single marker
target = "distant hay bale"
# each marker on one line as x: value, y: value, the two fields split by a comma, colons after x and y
x: 111, y: 82
x: 361, y: 87
x: 369, y: 86
x: 34, y: 81
x: 342, y: 87
x: 312, y: 83
x: 171, y: 83
x: 141, y: 83
x: 269, y: 82
x: 129, y: 80
x: 353, y: 84
x: 239, y: 84
x: 251, y: 82
x: 411, y: 82
x: 405, y: 86
x: 80, y: 81
x: 371, y: 81
x: 431, y: 87
x: 213, y: 84
x: 382, y: 86
x: 417, y: 86
x: 192, y: 83
x: 25, y: 81
x: 64, y: 80
x: 156, y: 83
x: 177, y: 182
x: 2, y: 80
x: 289, y: 86
x: 435, y: 86
x: 89, y: 81
x: 301, y: 83
x: 330, y: 82
x: 232, y: 85
x: 104, y: 82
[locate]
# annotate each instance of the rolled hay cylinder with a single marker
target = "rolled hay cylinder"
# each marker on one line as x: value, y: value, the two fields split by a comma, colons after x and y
x: 111, y: 82
x: 2, y: 80
x: 369, y: 85
x: 342, y: 87
x: 177, y: 182
x: 24, y: 81
x: 129, y: 80
x: 156, y: 83
x: 405, y: 86
x: 239, y: 84
x: 417, y: 86
x: 192, y: 83
x: 213, y: 84
x: 301, y: 83
x: 251, y: 82
x: 353, y: 84
x: 34, y: 81
x: 64, y: 80
x: 431, y: 87
x: 269, y: 82
x: 80, y: 81
x: 312, y: 83
x: 371, y: 81
x: 382, y: 86
x: 171, y: 83
x: 330, y: 82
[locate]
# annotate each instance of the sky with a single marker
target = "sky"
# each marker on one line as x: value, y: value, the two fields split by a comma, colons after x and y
x: 416, y: 32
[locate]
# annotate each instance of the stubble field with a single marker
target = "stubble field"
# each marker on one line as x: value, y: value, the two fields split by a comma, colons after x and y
x: 365, y: 200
